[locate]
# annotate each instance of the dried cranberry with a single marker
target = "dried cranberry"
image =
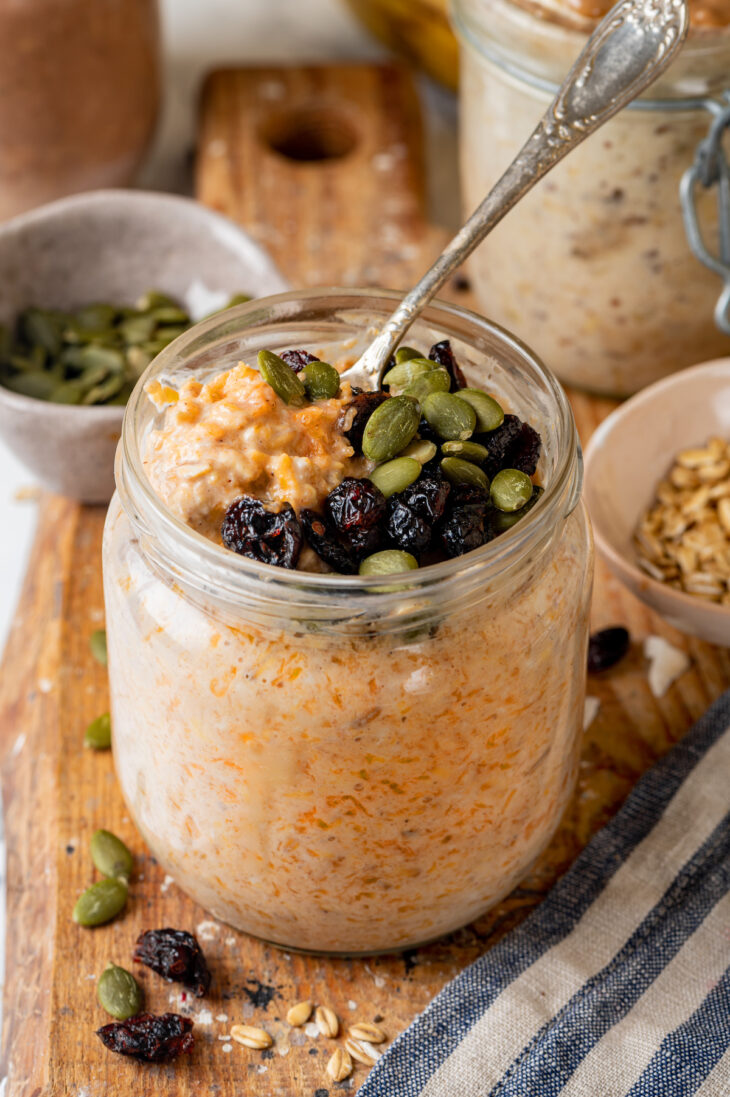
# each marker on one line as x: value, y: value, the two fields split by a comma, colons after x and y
x: 150, y: 1038
x: 413, y: 513
x: 607, y: 647
x: 323, y: 539
x: 176, y: 955
x: 298, y: 359
x: 525, y: 452
x: 355, y: 415
x: 444, y: 355
x: 425, y: 430
x: 465, y: 525
x: 251, y: 530
x: 499, y: 443
x: 356, y: 510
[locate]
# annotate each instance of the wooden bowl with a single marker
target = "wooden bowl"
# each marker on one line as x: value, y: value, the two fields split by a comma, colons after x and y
x: 626, y: 458
x: 109, y: 245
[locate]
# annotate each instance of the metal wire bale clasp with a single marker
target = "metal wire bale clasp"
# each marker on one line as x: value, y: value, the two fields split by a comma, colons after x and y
x: 711, y: 169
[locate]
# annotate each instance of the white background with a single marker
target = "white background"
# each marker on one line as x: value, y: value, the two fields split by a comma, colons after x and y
x: 199, y: 34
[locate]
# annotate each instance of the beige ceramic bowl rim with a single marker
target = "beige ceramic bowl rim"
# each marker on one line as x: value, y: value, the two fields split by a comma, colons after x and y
x: 86, y: 200
x: 621, y: 564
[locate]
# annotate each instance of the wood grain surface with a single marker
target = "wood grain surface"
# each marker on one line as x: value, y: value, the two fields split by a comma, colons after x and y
x: 357, y: 218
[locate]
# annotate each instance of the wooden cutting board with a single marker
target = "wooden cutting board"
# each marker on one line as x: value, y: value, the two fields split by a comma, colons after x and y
x: 323, y: 166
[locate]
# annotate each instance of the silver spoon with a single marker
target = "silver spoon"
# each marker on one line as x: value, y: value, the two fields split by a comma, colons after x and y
x: 627, y: 51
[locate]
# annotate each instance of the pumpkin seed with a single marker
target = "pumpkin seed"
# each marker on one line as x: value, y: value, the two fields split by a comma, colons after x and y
x: 404, y: 354
x: 236, y: 299
x: 137, y: 329
x: 282, y: 378
x: 23, y: 363
x: 464, y: 472
x: 97, y: 318
x: 395, y: 475
x: 111, y: 856
x: 97, y: 643
x: 118, y: 992
x: 68, y: 392
x: 138, y: 360
x: 510, y: 490
x: 390, y: 427
x: 170, y: 314
x: 452, y: 419
x: 502, y: 521
x: 154, y: 299
x: 100, y: 903
x: 388, y: 562
x: 405, y: 372
x: 437, y: 380
x: 36, y: 384
x: 98, y: 735
x: 42, y: 328
x: 107, y: 358
x: 489, y: 413
x: 420, y: 449
x: 468, y: 451
x: 321, y: 380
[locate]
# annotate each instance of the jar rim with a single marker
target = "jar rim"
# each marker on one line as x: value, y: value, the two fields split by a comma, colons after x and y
x: 239, y: 576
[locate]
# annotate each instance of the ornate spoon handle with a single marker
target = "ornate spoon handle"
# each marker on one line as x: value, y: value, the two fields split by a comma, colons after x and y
x: 628, y: 50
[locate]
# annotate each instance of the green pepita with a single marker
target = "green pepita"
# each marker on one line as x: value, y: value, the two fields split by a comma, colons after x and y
x: 282, y: 378
x: 404, y: 372
x: 137, y: 329
x: 395, y: 475
x: 451, y: 418
x: 36, y: 384
x: 170, y: 314
x: 388, y: 562
x: 321, y: 380
x: 154, y: 299
x: 98, y: 735
x: 107, y: 358
x: 464, y: 472
x: 502, y: 521
x: 420, y: 449
x: 468, y: 451
x: 119, y: 993
x: 41, y: 328
x: 403, y: 354
x: 489, y: 413
x: 105, y: 390
x: 68, y: 392
x: 237, y: 299
x: 138, y: 360
x: 96, y: 318
x: 437, y: 380
x: 111, y: 856
x: 97, y: 643
x: 390, y: 427
x: 100, y: 903
x: 510, y: 490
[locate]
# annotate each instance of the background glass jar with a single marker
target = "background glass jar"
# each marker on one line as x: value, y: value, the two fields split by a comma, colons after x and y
x: 322, y: 760
x: 593, y: 267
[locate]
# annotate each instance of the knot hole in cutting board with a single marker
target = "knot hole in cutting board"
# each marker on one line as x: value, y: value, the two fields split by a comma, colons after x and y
x: 310, y: 134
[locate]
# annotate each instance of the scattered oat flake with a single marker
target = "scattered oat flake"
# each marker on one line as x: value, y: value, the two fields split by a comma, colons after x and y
x: 45, y: 685
x: 206, y: 931
x: 351, y: 1005
x: 666, y: 663
x: 18, y: 745
x: 312, y: 1030
x: 205, y: 1017
x: 222, y: 1017
x: 590, y: 711
x: 227, y: 1047
x: 166, y: 883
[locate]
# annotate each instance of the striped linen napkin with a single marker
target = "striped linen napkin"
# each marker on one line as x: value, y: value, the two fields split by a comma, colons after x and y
x: 618, y: 985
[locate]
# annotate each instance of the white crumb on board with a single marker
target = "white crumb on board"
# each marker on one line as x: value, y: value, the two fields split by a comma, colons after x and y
x: 590, y: 711
x: 225, y: 1036
x: 666, y: 664
x: 206, y: 931
x: 45, y: 685
x: 262, y: 1069
x: 377, y: 979
x: 227, y: 1048
x: 351, y: 1005
x: 18, y: 745
x: 205, y: 1017
x: 166, y: 884
x: 283, y: 1049
x: 311, y: 1029
x: 222, y: 1017
x: 230, y: 941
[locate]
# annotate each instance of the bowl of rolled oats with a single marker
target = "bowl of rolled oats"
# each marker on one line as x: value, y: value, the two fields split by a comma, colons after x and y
x: 657, y: 486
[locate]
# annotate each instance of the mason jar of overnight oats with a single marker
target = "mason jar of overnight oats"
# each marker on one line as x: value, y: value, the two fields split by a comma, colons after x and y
x: 593, y: 267
x: 338, y: 762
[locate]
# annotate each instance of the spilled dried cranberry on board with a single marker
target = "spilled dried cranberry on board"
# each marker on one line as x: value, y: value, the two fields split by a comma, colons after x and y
x: 176, y: 955
x: 150, y: 1038
x: 607, y: 647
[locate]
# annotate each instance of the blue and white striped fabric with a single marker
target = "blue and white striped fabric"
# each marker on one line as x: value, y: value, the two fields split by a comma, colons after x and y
x: 618, y: 985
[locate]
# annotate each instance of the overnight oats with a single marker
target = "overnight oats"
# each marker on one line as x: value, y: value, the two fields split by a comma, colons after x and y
x: 593, y: 268
x: 347, y: 631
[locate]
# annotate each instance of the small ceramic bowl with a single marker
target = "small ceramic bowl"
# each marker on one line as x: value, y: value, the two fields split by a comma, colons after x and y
x: 625, y: 459
x: 109, y: 245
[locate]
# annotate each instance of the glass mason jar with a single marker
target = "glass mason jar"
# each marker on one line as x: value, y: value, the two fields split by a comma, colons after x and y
x: 79, y: 96
x: 325, y: 761
x: 593, y: 267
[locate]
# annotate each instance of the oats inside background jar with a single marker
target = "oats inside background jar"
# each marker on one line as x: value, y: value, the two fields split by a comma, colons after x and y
x: 684, y: 537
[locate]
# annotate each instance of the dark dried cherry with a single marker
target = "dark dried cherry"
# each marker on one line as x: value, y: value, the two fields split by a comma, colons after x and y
x: 444, y: 355
x: 323, y: 539
x: 298, y: 359
x: 356, y: 510
x: 355, y: 414
x: 150, y: 1038
x: 465, y: 525
x: 176, y: 955
x: 413, y: 513
x: 525, y: 451
x: 607, y: 647
x: 513, y: 445
x: 251, y: 530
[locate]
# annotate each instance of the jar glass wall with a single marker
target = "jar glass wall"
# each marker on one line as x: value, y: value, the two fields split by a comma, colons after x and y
x: 593, y: 267
x: 322, y: 760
